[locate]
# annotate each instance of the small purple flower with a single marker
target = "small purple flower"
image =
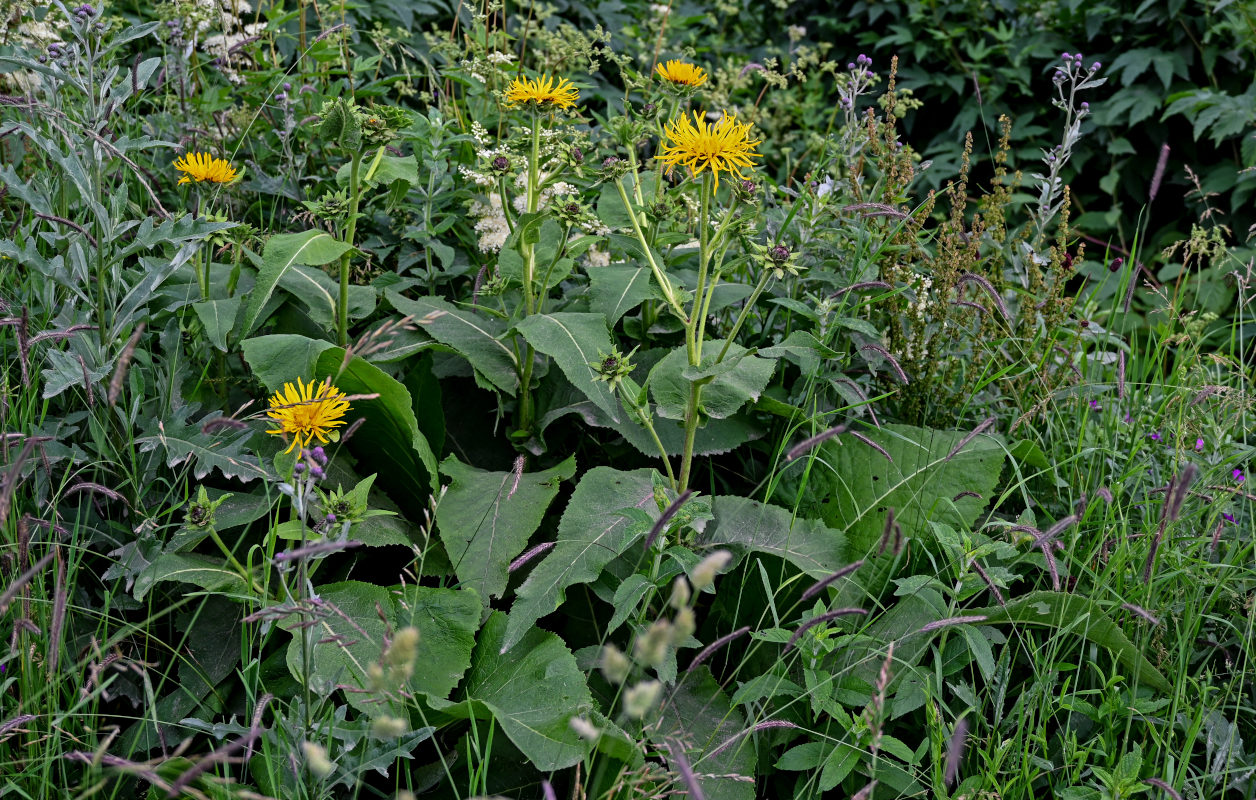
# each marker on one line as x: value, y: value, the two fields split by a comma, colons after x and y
x: 1238, y: 475
x: 1127, y: 419
x: 331, y: 519
x: 1095, y: 66
x: 1155, y: 437
x: 1227, y: 517
x: 1094, y: 406
x: 1199, y: 445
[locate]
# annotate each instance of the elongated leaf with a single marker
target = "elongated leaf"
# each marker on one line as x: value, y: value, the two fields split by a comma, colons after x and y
x: 486, y: 518
x: 532, y: 691
x: 281, y: 253
x: 740, y: 522
x: 222, y: 450
x: 1071, y: 613
x: 476, y: 337
x: 321, y: 294
x: 218, y: 318
x: 206, y: 572
x: 574, y: 341
x: 591, y: 534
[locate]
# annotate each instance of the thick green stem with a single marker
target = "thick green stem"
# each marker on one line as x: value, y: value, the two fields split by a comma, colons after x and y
x: 529, y: 276
x: 342, y: 325
x: 693, y: 335
x: 691, y: 434
x: 732, y: 335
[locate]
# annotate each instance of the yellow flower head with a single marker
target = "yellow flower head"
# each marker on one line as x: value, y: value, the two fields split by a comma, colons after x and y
x: 200, y: 167
x: 543, y: 92
x: 306, y: 411
x: 724, y: 145
x: 682, y: 74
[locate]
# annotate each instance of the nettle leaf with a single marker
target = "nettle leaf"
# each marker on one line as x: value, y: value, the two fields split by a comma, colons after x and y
x: 282, y: 252
x: 486, y: 518
x: 852, y: 486
x: 698, y: 715
x: 532, y: 692
x: 344, y: 644
x: 592, y: 533
x: 222, y: 450
x: 1071, y: 613
x: 746, y: 524
x: 733, y: 386
x: 574, y: 341
x: 476, y: 337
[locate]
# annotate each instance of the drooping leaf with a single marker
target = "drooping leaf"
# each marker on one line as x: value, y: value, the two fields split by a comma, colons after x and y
x: 282, y: 252
x: 591, y: 534
x: 574, y: 341
x: 476, y: 337
x: 1074, y: 614
x: 532, y: 691
x: 277, y: 358
x: 746, y: 524
x: 616, y: 290
x: 207, y: 572
x: 486, y: 518
x: 218, y: 319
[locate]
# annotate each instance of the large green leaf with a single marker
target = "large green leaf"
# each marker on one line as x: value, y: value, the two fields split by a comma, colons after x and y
x: 476, y: 337
x: 592, y: 532
x: 205, y: 572
x: 699, y: 716
x: 616, y: 290
x: 486, y: 518
x: 276, y: 359
x: 853, y: 486
x: 282, y: 252
x: 347, y: 640
x: 321, y: 295
x: 389, y: 440
x: 218, y: 319
x: 1071, y: 613
x: 575, y: 341
x: 739, y: 379
x: 532, y: 692
x: 748, y: 524
x: 186, y: 441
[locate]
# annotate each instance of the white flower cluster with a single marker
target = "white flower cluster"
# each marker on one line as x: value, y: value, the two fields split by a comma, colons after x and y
x: 920, y: 305
x: 491, y: 223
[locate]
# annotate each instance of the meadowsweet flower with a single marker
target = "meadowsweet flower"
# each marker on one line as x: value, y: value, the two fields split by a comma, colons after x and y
x: 724, y: 145
x: 202, y: 167
x: 682, y: 74
x: 543, y: 92
x: 306, y: 411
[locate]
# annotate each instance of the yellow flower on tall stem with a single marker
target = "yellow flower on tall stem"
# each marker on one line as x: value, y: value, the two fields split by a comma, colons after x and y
x: 682, y: 74
x: 307, y: 411
x: 204, y: 168
x: 543, y: 92
x: 723, y: 146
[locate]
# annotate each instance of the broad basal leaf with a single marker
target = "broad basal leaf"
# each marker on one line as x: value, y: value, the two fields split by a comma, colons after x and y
x: 592, y: 532
x: 575, y: 341
x: 722, y: 397
x: 747, y: 524
x: 282, y: 252
x: 476, y: 337
x: 486, y: 518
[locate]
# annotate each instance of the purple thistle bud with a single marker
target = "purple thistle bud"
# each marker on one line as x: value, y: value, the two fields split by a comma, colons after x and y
x: 1095, y: 66
x: 331, y: 519
x: 287, y: 87
x: 316, y: 472
x: 281, y: 96
x: 850, y: 65
x: 320, y: 455
x: 1066, y: 56
x: 1085, y: 106
x: 299, y: 468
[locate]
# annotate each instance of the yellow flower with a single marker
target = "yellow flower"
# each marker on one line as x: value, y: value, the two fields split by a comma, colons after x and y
x: 307, y: 411
x: 681, y: 73
x: 543, y: 92
x: 200, y: 167
x: 724, y: 145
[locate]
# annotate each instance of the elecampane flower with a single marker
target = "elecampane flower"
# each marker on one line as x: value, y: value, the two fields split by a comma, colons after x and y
x: 682, y: 73
x: 201, y: 167
x: 542, y: 91
x: 306, y: 411
x: 721, y: 146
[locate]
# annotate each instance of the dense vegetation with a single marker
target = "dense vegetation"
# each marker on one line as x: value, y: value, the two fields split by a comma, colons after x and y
x: 627, y: 400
